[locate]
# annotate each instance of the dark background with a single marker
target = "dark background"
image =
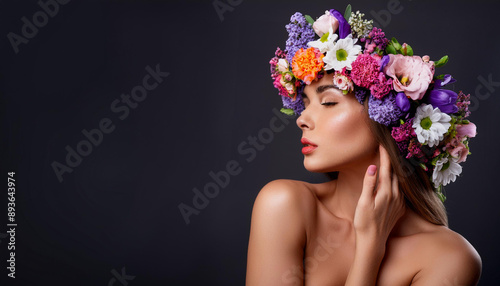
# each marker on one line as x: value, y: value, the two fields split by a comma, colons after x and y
x: 118, y: 209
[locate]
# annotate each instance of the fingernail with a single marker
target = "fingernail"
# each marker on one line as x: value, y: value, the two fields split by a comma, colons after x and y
x: 372, y: 169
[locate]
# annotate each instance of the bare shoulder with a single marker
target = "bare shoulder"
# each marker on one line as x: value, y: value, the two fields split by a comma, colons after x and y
x: 291, y: 197
x: 278, y: 231
x: 287, y: 191
x: 447, y: 259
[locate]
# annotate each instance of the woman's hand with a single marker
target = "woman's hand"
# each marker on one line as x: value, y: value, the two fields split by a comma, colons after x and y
x: 381, y: 203
x: 379, y: 207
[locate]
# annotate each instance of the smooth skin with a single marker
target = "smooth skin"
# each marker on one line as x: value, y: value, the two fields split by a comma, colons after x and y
x: 354, y: 230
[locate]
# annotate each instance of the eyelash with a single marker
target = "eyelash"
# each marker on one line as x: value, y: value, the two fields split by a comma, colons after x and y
x: 329, y: 103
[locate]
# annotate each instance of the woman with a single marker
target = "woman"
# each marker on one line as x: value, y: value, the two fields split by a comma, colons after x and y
x: 380, y: 220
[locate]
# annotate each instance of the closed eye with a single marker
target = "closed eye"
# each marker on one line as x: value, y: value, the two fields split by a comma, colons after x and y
x: 329, y: 103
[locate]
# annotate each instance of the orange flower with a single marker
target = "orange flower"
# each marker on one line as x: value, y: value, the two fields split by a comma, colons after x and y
x: 306, y: 64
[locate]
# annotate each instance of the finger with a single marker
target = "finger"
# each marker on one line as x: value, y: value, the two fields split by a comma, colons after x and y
x: 385, y: 169
x: 369, y: 183
x: 395, y: 185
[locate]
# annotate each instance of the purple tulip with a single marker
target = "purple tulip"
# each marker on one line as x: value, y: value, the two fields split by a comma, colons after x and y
x: 384, y: 61
x: 443, y: 99
x: 344, y: 27
x: 402, y: 102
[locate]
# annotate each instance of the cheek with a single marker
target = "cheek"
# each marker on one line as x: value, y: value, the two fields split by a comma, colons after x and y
x: 349, y: 135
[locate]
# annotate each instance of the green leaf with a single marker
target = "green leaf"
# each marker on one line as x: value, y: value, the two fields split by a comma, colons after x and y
x: 441, y: 62
x: 309, y: 19
x: 409, y: 50
x: 347, y: 13
x: 441, y: 76
x: 390, y: 49
x: 396, y: 44
x: 287, y: 111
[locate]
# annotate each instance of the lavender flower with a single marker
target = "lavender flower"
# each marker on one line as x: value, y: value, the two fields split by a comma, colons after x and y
x: 296, y: 105
x: 385, y: 111
x: 360, y: 94
x: 300, y: 32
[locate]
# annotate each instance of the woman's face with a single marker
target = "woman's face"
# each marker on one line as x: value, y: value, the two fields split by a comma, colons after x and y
x: 334, y: 126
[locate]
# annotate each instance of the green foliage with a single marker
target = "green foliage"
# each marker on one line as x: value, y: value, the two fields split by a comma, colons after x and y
x: 347, y: 13
x: 441, y: 62
x: 309, y: 19
x: 287, y: 111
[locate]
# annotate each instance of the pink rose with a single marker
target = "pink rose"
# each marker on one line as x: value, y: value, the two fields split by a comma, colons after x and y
x: 466, y: 129
x: 323, y: 24
x: 342, y: 82
x: 410, y: 75
x: 460, y: 152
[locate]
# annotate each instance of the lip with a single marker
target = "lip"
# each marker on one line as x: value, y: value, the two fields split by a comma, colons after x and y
x: 309, y: 146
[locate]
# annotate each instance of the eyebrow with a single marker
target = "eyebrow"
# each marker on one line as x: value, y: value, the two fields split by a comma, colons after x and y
x: 320, y: 89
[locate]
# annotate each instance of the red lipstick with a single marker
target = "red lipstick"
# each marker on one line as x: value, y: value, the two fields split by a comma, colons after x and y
x: 309, y: 146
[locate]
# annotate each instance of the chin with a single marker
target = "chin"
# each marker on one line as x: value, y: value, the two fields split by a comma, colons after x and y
x: 318, y: 167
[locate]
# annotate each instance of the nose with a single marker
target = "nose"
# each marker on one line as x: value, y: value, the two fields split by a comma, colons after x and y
x: 304, y: 121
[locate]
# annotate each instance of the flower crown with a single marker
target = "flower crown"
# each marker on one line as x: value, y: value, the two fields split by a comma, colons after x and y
x: 428, y: 121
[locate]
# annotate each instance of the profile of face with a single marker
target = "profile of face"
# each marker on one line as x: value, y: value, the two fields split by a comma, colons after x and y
x: 335, y: 132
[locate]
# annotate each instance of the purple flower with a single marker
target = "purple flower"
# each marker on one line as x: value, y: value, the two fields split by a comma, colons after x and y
x: 384, y: 111
x: 402, y: 102
x: 447, y: 79
x: 443, y: 99
x: 300, y: 32
x: 360, y: 94
x: 344, y: 27
x: 378, y: 37
x: 384, y: 61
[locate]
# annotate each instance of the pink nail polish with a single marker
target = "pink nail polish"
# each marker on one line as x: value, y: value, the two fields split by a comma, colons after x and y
x: 372, y: 169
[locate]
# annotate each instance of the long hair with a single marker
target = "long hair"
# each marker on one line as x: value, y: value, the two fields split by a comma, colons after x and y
x: 414, y: 182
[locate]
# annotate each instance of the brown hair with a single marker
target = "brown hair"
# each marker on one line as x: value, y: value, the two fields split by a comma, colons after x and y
x: 414, y: 182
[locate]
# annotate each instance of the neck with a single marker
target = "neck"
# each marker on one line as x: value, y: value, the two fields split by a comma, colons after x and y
x: 349, y: 185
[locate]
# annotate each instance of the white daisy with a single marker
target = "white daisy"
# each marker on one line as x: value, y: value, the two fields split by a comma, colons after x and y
x: 325, y: 43
x: 342, y: 54
x: 430, y: 124
x: 447, y: 169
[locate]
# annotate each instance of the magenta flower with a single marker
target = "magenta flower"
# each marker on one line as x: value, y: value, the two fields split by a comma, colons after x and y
x: 410, y: 75
x: 365, y: 70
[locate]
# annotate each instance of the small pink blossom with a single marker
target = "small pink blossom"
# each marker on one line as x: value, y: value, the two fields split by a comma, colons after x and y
x: 410, y: 75
x: 282, y: 65
x: 343, y: 82
x: 323, y: 24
